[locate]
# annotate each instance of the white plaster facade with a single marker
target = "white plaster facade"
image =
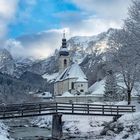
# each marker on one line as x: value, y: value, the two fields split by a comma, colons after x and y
x: 64, y: 62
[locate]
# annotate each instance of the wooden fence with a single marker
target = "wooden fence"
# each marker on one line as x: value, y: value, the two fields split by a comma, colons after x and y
x: 50, y: 108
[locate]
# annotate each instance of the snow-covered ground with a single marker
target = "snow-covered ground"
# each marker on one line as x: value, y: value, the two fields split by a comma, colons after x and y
x: 131, y: 127
x: 67, y: 94
x: 94, y: 125
x: 127, y: 127
x: 4, y: 135
x: 43, y: 95
x: 98, y: 87
x: 84, y: 124
x: 76, y: 125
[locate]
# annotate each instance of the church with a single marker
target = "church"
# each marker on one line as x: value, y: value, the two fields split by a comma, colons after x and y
x: 71, y: 78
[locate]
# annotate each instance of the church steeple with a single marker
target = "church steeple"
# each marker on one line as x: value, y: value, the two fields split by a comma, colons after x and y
x: 64, y: 41
x: 64, y: 59
x: 63, y: 50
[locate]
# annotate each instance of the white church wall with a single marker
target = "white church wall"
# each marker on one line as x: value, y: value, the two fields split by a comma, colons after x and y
x: 70, y: 82
x: 66, y: 85
x: 62, y: 66
x: 58, y: 88
x: 82, y: 87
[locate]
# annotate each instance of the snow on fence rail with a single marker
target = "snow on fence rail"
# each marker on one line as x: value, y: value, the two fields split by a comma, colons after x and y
x: 50, y: 108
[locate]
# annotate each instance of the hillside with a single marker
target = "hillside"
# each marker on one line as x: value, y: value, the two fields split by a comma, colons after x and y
x: 89, y: 52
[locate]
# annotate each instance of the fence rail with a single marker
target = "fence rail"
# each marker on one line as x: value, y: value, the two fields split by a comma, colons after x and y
x: 50, y: 108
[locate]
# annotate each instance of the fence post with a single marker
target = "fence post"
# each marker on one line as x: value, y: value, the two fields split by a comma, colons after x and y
x: 56, y: 107
x: 103, y: 109
x: 88, y: 108
x: 111, y: 109
x: 117, y: 110
x: 133, y: 109
x: 39, y: 108
x: 72, y: 108
x: 57, y: 126
x: 22, y: 112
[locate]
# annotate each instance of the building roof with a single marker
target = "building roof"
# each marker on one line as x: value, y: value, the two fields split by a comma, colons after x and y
x: 73, y: 71
x: 63, y: 51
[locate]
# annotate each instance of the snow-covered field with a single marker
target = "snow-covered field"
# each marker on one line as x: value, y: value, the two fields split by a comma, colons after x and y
x: 76, y: 125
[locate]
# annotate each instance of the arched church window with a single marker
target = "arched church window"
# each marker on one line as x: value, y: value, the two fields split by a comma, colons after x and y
x: 72, y: 85
x: 65, y: 62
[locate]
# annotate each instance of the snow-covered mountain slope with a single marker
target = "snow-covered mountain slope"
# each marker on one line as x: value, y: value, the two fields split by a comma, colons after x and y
x: 50, y: 77
x: 80, y: 46
x: 87, y: 51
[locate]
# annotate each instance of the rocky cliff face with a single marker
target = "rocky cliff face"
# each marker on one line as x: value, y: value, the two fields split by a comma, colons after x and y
x: 89, y: 52
x: 81, y: 46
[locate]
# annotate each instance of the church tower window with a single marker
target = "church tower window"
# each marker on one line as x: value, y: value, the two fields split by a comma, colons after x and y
x: 64, y: 57
x: 72, y: 85
x: 65, y: 63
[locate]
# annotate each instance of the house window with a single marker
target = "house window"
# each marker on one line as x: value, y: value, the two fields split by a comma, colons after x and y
x: 72, y: 85
x: 81, y: 90
x: 65, y: 62
x: 81, y: 85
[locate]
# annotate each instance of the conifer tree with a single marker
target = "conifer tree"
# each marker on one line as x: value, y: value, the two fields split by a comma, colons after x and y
x: 111, y: 90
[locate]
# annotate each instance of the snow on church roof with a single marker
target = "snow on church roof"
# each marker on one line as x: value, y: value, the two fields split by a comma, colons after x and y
x: 73, y: 71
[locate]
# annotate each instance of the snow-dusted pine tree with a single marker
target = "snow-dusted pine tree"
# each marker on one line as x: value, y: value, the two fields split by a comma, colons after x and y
x: 111, y: 89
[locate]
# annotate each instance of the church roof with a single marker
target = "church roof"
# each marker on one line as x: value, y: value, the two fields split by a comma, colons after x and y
x: 73, y: 71
x: 63, y: 51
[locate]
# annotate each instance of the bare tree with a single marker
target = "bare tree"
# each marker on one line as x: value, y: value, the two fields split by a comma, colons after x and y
x: 125, y: 48
x: 126, y: 59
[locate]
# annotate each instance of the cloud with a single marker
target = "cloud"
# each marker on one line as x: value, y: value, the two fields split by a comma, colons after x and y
x: 91, y: 26
x: 40, y: 45
x: 96, y: 16
x: 115, y: 9
x: 7, y: 13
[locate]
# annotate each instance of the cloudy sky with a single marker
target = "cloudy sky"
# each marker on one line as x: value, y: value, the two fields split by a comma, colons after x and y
x: 77, y: 17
